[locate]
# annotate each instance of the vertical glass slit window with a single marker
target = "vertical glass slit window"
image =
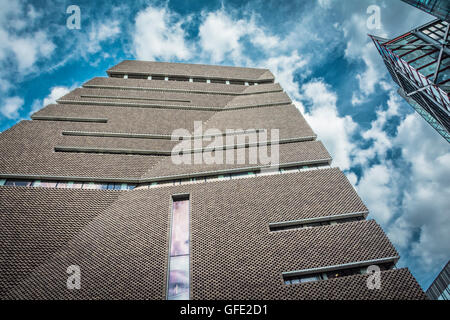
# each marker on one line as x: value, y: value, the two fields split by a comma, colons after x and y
x: 178, y: 284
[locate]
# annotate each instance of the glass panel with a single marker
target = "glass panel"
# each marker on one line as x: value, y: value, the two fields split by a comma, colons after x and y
x: 180, y: 228
x: 178, y: 286
x: 2, y: 182
x: 239, y: 175
x: 62, y: 185
x: 89, y: 185
x: 18, y: 183
x: 178, y: 278
x: 77, y: 185
x: 36, y: 183
x: 309, y: 279
x: 141, y: 187
x: 100, y: 186
x: 48, y: 184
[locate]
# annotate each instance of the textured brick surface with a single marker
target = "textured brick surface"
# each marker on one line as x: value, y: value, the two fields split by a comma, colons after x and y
x: 150, y: 97
x: 122, y: 250
x: 131, y: 120
x: 120, y: 239
x: 28, y: 148
x: 39, y: 138
x: 37, y: 222
x: 181, y: 85
x: 287, y: 119
x: 192, y: 70
x: 288, y: 153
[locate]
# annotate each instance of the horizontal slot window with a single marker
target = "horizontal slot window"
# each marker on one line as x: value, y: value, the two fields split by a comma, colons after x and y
x: 265, y: 81
x: 237, y: 175
x: 338, y: 273
x: 243, y: 175
x: 132, y: 98
x: 164, y: 183
x: 158, y: 77
x: 69, y: 119
x: 137, y: 76
x: 218, y: 81
x: 186, y: 79
x: 18, y: 183
x: 303, y: 225
x: 67, y: 184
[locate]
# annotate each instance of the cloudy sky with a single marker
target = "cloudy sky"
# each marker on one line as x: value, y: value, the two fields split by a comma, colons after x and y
x: 318, y: 50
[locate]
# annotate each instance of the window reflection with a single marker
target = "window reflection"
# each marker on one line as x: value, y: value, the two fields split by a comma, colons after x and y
x: 178, y: 282
x: 179, y: 278
x: 180, y: 228
x: 48, y: 184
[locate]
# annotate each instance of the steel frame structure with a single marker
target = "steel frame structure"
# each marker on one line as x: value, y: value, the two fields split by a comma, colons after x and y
x: 419, y: 62
x: 438, y: 8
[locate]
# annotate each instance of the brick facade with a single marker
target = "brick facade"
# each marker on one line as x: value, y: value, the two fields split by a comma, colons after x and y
x: 120, y: 239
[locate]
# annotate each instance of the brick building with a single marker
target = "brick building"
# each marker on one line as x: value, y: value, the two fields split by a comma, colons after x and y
x: 90, y: 182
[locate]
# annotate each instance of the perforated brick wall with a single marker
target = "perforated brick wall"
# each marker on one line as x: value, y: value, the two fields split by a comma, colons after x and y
x: 123, y: 249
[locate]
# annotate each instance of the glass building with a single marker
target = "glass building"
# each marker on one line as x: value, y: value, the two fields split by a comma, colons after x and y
x: 440, y: 288
x: 438, y: 8
x: 419, y: 62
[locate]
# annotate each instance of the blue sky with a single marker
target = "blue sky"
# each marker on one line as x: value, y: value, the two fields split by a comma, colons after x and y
x: 318, y: 50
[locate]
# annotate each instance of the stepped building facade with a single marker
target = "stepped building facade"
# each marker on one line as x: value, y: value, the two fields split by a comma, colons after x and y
x: 98, y: 202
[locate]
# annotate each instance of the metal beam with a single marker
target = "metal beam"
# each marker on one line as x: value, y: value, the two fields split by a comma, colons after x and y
x: 437, y: 44
x: 438, y: 64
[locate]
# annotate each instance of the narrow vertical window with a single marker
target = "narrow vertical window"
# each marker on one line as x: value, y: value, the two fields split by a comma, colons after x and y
x: 178, y: 283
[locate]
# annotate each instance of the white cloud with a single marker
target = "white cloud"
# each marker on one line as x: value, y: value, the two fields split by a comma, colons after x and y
x: 333, y: 130
x: 376, y: 188
x: 283, y: 67
x: 410, y: 199
x: 222, y: 36
x: 159, y: 34
x: 28, y: 50
x: 102, y: 32
x: 360, y: 47
x: 10, y: 107
x: 325, y: 3
x: 24, y: 49
x: 381, y: 142
x: 426, y: 199
x: 55, y: 94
